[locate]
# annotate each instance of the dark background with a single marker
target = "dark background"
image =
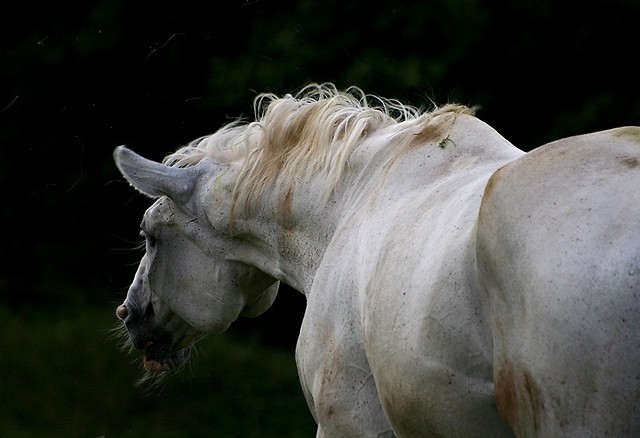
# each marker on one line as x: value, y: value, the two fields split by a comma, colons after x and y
x: 77, y: 80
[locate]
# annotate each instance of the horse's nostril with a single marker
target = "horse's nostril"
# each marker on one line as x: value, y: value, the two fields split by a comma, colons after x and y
x: 122, y: 312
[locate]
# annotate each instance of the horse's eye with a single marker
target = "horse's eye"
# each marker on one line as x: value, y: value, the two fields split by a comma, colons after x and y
x: 150, y: 240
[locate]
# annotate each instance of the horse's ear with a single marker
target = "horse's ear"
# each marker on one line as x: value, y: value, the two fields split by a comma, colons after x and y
x: 155, y: 179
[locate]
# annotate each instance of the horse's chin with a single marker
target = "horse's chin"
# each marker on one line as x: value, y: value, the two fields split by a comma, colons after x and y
x: 158, y: 358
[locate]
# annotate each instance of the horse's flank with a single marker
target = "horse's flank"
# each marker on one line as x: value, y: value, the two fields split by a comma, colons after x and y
x: 314, y: 132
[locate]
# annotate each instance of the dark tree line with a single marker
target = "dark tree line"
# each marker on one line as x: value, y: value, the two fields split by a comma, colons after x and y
x: 79, y: 79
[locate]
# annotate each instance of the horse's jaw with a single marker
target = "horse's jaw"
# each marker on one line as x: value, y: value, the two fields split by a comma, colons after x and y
x: 262, y: 302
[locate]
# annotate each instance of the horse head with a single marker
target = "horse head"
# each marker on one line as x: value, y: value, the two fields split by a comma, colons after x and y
x: 186, y: 284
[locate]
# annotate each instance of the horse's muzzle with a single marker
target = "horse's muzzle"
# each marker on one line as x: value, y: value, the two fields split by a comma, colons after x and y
x: 158, y: 352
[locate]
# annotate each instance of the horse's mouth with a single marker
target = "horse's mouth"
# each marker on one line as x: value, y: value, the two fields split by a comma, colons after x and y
x: 160, y: 357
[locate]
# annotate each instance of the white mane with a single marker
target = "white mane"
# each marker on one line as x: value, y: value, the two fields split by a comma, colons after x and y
x: 297, y: 136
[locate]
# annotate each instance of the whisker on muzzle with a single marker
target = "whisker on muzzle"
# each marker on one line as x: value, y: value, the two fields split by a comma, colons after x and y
x: 120, y: 334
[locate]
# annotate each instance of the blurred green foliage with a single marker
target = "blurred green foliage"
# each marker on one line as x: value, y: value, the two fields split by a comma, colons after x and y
x: 62, y: 375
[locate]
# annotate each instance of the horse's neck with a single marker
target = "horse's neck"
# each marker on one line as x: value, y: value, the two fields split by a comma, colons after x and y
x: 285, y: 234
x: 288, y: 230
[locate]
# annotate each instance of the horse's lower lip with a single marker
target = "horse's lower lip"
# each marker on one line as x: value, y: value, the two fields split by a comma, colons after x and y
x: 154, y: 365
x: 159, y: 358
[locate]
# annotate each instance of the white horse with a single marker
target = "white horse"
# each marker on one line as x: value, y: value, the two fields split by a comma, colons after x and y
x: 455, y: 285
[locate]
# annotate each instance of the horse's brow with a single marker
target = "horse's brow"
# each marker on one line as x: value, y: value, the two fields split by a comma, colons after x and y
x: 143, y: 223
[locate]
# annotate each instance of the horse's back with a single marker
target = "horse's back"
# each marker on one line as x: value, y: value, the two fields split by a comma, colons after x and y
x: 559, y: 256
